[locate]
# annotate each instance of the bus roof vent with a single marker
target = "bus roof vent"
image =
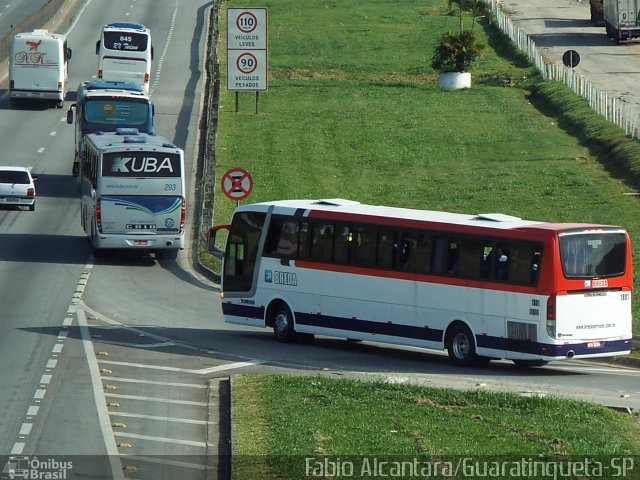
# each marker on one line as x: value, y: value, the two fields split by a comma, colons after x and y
x: 497, y: 217
x: 169, y: 145
x: 40, y: 31
x: 127, y: 131
x: 335, y: 202
x: 134, y: 139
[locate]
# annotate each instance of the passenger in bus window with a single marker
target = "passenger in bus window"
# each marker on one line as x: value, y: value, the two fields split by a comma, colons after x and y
x: 453, y: 258
x: 502, y: 267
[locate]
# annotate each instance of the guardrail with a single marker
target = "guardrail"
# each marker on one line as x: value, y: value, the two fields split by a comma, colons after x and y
x: 614, y: 109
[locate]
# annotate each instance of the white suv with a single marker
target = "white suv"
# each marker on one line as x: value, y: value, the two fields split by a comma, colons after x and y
x: 17, y: 187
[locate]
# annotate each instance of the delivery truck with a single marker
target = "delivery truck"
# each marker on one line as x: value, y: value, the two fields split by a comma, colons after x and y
x: 621, y: 19
x: 38, y: 66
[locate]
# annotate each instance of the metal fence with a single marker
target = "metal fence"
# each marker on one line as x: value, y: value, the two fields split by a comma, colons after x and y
x: 614, y: 109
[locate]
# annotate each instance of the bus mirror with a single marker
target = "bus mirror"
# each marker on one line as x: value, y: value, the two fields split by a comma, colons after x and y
x: 211, y: 241
x: 69, y: 52
x: 75, y: 171
x: 98, y: 47
x: 70, y: 114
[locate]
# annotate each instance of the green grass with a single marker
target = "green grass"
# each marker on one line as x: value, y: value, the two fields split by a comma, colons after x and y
x: 285, y: 419
x: 353, y: 111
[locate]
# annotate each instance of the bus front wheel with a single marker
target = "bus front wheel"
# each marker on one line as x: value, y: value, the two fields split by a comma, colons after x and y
x: 283, y: 324
x: 461, y: 346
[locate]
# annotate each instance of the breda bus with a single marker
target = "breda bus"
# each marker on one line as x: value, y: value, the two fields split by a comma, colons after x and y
x: 133, y: 194
x: 482, y: 287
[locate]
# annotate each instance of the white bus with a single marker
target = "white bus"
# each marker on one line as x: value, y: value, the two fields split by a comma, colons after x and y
x: 38, y: 67
x: 482, y: 287
x: 125, y: 53
x: 133, y: 193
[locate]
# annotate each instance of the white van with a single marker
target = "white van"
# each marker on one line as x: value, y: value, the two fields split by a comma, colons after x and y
x: 38, y: 63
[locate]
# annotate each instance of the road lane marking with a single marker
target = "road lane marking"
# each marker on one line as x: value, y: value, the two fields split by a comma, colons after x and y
x: 162, y: 419
x: 25, y: 429
x: 153, y: 382
x: 156, y: 399
x: 190, y: 443
x: 164, y: 461
x: 17, y: 449
x: 98, y: 396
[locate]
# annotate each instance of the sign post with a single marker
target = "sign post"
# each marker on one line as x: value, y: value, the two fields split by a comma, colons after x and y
x: 236, y: 184
x: 247, y: 51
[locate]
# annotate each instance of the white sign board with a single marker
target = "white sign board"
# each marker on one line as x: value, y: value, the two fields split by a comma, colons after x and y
x: 247, y: 49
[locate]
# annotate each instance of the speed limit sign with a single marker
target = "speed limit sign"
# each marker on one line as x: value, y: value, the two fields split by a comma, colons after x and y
x: 247, y: 49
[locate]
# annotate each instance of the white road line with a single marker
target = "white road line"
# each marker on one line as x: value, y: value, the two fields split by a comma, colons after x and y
x: 101, y: 405
x: 52, y: 363
x: 62, y: 335
x: 57, y: 348
x: 163, y: 461
x: 39, y: 395
x: 25, y: 429
x: 155, y: 399
x: 45, y: 379
x: 201, y: 371
x: 32, y: 411
x: 227, y: 366
x: 142, y: 365
x: 162, y: 439
x: 152, y: 382
x: 162, y: 419
x: 17, y: 449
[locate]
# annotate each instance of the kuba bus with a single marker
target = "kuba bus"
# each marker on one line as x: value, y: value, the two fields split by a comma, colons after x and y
x: 133, y: 192
x: 482, y: 287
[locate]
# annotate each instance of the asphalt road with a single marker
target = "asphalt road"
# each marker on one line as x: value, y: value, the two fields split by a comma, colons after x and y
x: 113, y: 359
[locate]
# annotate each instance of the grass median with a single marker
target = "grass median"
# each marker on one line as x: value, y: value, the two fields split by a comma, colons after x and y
x: 353, y: 111
x: 299, y: 427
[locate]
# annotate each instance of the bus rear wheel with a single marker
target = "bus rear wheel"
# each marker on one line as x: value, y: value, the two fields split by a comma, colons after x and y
x: 461, y: 346
x: 283, y: 324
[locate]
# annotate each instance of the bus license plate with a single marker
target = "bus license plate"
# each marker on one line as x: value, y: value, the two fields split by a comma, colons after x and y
x: 593, y: 344
x: 140, y: 242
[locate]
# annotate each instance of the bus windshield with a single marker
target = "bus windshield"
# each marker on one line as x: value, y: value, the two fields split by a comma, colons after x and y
x: 591, y: 255
x: 129, y: 41
x: 127, y: 112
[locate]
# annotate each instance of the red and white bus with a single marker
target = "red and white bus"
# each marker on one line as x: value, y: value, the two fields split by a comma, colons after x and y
x: 483, y: 287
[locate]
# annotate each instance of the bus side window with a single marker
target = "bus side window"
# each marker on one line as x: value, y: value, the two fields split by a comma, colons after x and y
x: 453, y: 258
x: 503, y: 257
x: 439, y: 255
x: 363, y: 248
x: 303, y: 240
x: 536, y: 263
x: 342, y: 245
x: 470, y: 258
x: 322, y: 242
x: 271, y: 244
x: 487, y: 261
x: 387, y: 246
